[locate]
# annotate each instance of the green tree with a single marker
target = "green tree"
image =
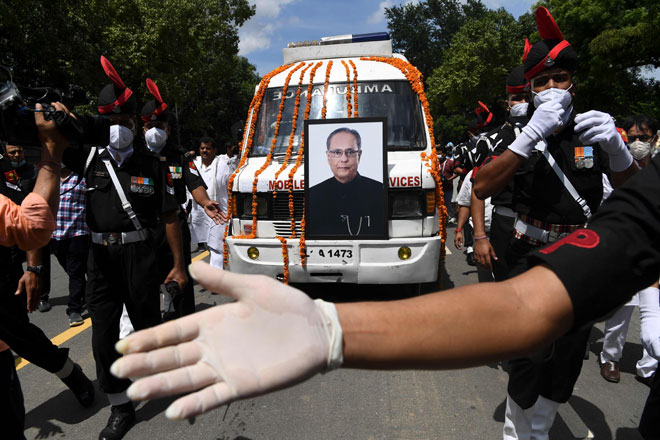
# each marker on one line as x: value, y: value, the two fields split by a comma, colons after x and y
x: 423, y: 31
x: 615, y: 40
x: 188, y: 47
x: 474, y: 68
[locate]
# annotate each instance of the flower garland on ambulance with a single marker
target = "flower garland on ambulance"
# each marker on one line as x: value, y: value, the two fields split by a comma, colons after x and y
x: 415, y: 77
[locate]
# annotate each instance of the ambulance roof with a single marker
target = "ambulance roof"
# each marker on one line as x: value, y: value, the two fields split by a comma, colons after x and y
x: 366, y: 70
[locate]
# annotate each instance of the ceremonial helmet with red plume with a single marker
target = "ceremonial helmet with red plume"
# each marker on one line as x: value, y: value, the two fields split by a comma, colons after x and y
x: 115, y: 97
x: 552, y: 51
x: 156, y: 109
x: 484, y: 117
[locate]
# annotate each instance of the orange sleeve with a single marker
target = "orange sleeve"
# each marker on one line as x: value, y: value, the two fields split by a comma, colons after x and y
x: 29, y: 225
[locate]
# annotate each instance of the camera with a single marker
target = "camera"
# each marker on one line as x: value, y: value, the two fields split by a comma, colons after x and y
x: 17, y: 126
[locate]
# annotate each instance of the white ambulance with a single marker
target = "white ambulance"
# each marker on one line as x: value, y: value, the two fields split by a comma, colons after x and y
x: 268, y: 189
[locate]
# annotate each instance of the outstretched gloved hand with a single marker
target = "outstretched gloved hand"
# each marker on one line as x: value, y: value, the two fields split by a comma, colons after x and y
x: 598, y: 127
x: 272, y: 337
x: 547, y: 119
x: 649, y: 307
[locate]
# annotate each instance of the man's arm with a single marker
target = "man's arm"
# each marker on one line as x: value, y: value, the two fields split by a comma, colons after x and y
x: 463, y: 216
x: 496, y: 174
x: 30, y: 282
x: 507, y: 320
x: 483, y: 251
x: 173, y: 235
x: 459, y: 328
x: 211, y: 207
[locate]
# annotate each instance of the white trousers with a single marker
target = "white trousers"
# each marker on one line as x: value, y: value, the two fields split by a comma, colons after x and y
x: 533, y: 423
x: 125, y: 324
x: 616, y: 330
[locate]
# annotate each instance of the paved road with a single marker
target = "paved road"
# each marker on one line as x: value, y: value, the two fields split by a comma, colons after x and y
x: 346, y: 404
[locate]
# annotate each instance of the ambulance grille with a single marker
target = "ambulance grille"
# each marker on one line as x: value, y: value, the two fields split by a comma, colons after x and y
x: 281, y: 206
x: 283, y: 229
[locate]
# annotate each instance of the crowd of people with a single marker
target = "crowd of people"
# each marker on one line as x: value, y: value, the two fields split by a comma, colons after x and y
x: 542, y: 200
x: 121, y: 234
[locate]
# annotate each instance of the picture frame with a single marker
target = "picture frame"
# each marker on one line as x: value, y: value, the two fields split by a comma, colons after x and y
x: 346, y: 179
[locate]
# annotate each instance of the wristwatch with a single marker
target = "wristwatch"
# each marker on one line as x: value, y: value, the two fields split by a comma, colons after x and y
x: 35, y: 269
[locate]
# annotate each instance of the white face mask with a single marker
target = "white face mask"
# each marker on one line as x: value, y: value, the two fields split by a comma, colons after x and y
x: 120, y: 137
x: 639, y: 149
x: 563, y: 96
x: 155, y: 139
x: 518, y: 110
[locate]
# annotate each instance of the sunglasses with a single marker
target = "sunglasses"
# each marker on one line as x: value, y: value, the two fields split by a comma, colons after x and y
x: 641, y: 138
x: 557, y: 78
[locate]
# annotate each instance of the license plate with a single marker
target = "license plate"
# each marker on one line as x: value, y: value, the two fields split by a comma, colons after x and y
x: 329, y: 254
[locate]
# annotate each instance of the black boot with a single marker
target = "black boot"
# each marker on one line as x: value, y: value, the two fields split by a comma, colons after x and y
x: 80, y: 385
x: 122, y: 418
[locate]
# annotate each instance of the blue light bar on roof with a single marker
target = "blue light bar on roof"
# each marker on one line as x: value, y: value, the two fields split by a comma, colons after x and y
x: 355, y: 38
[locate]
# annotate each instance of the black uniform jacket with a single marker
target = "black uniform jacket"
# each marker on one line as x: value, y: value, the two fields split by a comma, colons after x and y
x: 618, y: 253
x: 356, y: 208
x: 143, y: 180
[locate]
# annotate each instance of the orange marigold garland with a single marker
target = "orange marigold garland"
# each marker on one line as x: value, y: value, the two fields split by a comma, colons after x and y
x: 355, y: 89
x: 324, y: 109
x: 269, y: 156
x: 415, y: 78
x: 299, y: 159
x: 349, y: 108
x: 285, y: 258
x: 294, y: 125
x: 253, y: 110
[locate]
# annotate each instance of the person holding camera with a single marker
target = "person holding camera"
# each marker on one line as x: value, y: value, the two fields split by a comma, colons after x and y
x: 27, y: 222
x: 128, y: 195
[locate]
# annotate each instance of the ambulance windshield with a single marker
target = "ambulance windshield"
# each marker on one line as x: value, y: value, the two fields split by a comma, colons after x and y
x: 394, y: 100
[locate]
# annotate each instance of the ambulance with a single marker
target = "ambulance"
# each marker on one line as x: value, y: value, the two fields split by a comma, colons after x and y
x: 348, y: 76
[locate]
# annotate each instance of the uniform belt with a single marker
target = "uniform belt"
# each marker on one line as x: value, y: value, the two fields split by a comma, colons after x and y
x: 544, y: 235
x: 112, y: 238
x: 505, y: 211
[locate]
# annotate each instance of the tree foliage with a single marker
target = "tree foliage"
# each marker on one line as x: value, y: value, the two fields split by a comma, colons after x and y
x: 423, y: 31
x: 465, y: 52
x: 188, y: 47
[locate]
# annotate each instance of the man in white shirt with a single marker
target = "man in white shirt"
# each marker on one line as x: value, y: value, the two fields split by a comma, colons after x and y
x: 215, y: 173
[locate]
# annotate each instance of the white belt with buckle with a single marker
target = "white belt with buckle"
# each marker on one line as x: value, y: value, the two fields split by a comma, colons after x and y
x: 505, y: 211
x: 112, y: 238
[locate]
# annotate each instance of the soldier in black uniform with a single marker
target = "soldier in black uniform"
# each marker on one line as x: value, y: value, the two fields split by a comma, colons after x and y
x: 184, y: 174
x: 122, y: 266
x: 491, y: 252
x: 558, y: 161
x: 23, y: 337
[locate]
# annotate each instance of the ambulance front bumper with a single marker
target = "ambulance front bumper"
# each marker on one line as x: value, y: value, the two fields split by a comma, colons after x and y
x: 332, y: 261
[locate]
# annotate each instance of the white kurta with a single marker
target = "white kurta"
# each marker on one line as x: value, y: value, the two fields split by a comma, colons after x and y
x: 199, y: 221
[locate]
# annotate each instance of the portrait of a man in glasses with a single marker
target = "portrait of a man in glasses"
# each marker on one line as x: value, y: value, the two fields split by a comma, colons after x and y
x: 348, y: 203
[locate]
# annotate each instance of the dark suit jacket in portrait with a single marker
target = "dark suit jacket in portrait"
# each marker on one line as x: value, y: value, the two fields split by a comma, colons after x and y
x: 355, y: 208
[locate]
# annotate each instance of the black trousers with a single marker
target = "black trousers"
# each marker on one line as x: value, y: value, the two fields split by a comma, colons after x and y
x: 12, y: 409
x: 183, y: 304
x: 649, y: 424
x: 118, y: 275
x: 553, y: 371
x: 501, y: 234
x: 25, y: 339
x: 71, y: 253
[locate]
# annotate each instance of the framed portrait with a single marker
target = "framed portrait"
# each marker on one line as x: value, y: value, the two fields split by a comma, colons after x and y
x: 346, y: 178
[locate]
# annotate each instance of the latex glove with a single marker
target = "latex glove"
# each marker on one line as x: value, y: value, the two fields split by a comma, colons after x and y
x: 547, y: 119
x: 649, y: 307
x: 273, y: 337
x: 598, y: 127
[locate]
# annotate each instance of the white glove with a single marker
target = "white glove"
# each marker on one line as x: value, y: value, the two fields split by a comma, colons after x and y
x: 649, y: 307
x: 547, y: 119
x: 273, y: 337
x: 598, y: 127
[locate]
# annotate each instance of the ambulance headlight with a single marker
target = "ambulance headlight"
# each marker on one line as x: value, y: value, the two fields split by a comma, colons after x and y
x: 253, y: 253
x: 407, y: 204
x: 404, y: 253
